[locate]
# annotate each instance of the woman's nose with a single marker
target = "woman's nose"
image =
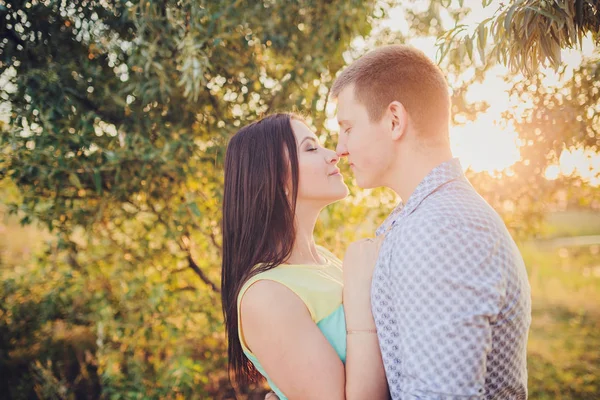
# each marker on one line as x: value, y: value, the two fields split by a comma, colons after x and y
x: 332, y: 157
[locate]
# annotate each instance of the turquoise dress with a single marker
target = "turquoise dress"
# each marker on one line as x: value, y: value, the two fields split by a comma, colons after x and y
x: 320, y: 288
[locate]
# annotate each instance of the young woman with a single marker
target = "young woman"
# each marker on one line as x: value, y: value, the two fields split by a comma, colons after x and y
x: 282, y: 293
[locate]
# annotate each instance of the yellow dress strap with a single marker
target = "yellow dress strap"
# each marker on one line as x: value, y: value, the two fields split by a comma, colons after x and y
x: 318, y: 286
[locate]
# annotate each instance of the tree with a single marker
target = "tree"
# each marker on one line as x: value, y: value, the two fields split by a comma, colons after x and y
x: 527, y: 36
x: 120, y: 113
x: 119, y: 116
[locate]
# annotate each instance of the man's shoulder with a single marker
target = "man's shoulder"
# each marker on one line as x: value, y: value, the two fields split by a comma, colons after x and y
x: 454, y: 215
x: 457, y: 205
x: 454, y: 196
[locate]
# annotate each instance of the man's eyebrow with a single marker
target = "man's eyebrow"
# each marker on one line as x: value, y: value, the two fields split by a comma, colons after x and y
x: 343, y: 122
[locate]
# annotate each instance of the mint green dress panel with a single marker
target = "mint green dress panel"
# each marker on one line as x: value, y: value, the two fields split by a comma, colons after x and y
x: 320, y: 288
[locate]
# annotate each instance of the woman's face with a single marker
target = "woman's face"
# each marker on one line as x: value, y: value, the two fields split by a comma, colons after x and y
x: 320, y: 180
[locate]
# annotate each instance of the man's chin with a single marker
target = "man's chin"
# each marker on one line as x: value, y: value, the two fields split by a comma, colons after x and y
x: 363, y: 183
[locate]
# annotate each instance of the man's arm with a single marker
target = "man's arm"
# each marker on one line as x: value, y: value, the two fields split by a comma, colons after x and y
x: 445, y: 293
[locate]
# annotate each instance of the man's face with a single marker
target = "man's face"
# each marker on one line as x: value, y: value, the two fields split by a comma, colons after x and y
x: 367, y: 144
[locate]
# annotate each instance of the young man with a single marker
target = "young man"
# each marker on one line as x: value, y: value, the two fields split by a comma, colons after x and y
x: 450, y: 295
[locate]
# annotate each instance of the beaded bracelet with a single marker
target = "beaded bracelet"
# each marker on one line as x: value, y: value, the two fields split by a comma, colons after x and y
x: 351, y: 331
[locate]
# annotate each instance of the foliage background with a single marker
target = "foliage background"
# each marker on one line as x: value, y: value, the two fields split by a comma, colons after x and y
x: 118, y: 114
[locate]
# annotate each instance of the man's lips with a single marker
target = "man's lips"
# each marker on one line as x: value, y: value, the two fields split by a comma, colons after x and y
x: 336, y: 172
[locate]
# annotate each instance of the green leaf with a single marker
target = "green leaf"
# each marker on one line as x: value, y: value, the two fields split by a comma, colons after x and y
x: 543, y: 12
x: 481, y: 39
x: 74, y: 179
x: 110, y: 155
x: 98, y: 181
x: 469, y: 46
x: 509, y: 15
x: 194, y: 209
x: 442, y: 51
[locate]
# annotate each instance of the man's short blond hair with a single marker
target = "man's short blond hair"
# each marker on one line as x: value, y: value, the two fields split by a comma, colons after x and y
x: 399, y: 73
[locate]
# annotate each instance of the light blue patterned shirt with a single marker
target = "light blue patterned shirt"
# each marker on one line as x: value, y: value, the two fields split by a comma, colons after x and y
x: 450, y: 296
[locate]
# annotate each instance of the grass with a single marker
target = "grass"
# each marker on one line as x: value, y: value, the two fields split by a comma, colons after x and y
x: 564, y: 341
x: 572, y: 223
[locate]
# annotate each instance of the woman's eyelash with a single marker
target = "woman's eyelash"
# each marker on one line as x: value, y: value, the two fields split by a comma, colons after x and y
x: 312, y: 149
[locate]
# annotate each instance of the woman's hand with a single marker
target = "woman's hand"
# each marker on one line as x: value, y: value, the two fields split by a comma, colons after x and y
x: 359, y: 263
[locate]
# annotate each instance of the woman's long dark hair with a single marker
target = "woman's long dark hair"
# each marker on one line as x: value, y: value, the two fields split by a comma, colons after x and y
x: 258, y: 218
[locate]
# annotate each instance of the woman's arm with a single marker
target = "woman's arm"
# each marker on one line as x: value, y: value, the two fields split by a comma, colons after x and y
x: 280, y: 332
x: 365, y: 374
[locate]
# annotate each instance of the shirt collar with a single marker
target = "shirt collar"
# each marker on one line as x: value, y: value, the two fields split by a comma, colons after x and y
x: 445, y: 172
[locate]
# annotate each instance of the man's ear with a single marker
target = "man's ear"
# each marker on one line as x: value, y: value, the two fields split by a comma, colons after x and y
x: 399, y: 119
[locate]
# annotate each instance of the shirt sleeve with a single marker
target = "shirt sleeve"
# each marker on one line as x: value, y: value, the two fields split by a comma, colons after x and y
x: 446, y: 293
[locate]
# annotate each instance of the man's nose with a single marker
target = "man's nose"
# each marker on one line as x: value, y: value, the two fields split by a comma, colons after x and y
x: 341, y: 149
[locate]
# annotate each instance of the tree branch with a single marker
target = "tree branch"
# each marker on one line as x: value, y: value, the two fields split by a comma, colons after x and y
x: 215, y: 105
x: 192, y: 264
x: 213, y: 239
x: 106, y: 115
x: 201, y: 274
x: 12, y: 35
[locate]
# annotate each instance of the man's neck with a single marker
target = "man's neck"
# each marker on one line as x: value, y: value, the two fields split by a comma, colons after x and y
x: 413, y: 167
